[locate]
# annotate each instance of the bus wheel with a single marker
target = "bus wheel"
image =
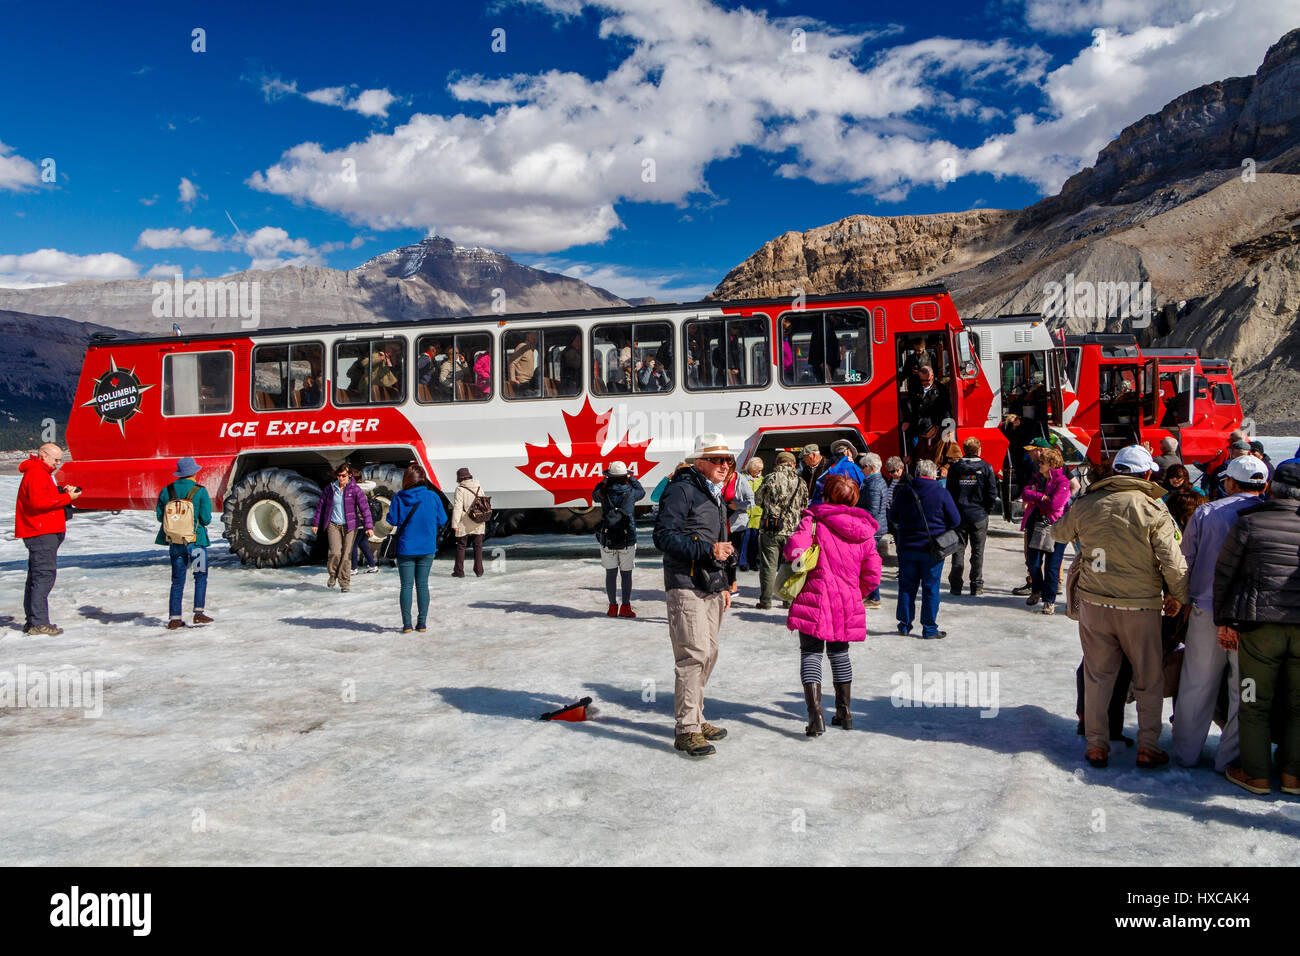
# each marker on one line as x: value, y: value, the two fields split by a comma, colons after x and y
x: 268, y: 517
x: 577, y: 520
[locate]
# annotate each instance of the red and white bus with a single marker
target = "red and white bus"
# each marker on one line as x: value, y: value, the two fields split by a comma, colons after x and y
x: 535, y: 405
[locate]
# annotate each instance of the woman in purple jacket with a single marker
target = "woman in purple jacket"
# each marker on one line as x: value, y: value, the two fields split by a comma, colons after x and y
x: 344, y: 508
x: 828, y: 612
x: 1045, y: 497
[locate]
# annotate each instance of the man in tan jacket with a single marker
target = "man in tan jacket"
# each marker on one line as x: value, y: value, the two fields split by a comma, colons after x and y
x: 1132, y: 569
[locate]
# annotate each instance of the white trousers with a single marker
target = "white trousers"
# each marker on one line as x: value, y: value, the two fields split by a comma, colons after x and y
x: 1198, y: 692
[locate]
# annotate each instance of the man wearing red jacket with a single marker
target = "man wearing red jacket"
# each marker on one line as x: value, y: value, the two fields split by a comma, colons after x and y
x: 39, y: 521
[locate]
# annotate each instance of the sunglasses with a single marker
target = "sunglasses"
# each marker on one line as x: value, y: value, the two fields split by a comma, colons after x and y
x: 717, y: 460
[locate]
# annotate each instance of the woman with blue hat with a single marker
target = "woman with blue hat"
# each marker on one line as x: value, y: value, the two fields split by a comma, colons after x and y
x: 185, y: 510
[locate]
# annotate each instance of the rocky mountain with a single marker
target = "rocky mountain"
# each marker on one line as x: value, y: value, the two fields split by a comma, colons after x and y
x: 39, y: 367
x: 1201, y: 200
x: 431, y: 279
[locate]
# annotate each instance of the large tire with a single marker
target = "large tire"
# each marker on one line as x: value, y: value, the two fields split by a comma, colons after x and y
x: 268, y: 517
x: 577, y: 520
x: 388, y: 482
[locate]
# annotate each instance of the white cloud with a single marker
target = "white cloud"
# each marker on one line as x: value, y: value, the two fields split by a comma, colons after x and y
x: 50, y: 266
x: 373, y: 103
x: 16, y: 173
x: 545, y: 166
x: 163, y: 271
x: 187, y: 192
x: 192, y: 237
x: 630, y: 283
x: 272, y: 248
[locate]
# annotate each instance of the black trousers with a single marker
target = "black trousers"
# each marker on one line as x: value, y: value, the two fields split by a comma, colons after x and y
x: 462, y: 540
x: 1118, y: 697
x: 974, y: 533
x: 42, y: 568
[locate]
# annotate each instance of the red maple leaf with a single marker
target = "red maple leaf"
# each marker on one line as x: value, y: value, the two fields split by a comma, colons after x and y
x: 572, y: 477
x: 113, y: 381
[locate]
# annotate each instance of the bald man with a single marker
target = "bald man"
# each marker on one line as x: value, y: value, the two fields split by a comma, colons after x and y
x: 39, y: 522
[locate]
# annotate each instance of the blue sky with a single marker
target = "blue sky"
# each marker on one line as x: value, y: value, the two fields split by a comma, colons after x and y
x: 645, y: 146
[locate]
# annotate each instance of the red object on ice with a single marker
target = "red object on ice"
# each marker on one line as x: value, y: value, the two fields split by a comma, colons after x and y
x: 574, y: 713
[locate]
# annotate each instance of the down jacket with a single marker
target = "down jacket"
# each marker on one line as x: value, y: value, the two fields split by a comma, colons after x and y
x: 1130, y: 544
x: 690, y: 522
x: 1046, y: 496
x: 1257, y: 579
x: 356, y: 510
x: 848, y: 569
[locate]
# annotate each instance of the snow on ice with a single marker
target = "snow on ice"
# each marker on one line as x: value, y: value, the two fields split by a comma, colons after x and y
x: 303, y: 729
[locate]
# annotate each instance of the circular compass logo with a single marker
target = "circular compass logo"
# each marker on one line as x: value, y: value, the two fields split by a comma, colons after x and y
x: 117, y: 395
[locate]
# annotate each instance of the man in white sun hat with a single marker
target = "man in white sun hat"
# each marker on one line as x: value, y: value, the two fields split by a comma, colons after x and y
x: 1132, y: 570
x: 1204, y: 660
x: 692, y: 532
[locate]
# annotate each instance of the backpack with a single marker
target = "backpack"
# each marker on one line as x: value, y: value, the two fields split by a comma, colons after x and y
x: 615, y: 527
x: 480, y: 509
x: 178, y: 517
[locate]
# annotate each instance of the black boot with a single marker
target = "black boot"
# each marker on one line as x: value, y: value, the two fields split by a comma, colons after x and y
x: 843, y: 718
x: 812, y: 695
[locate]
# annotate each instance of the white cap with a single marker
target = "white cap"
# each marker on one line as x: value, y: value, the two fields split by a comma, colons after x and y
x: 1248, y: 470
x: 709, y: 445
x: 1134, y: 459
x: 616, y: 469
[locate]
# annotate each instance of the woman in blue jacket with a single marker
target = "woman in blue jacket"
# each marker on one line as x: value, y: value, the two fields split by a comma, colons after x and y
x: 421, y: 510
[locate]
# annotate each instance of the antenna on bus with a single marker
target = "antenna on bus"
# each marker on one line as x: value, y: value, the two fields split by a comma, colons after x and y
x: 103, y: 336
x: 176, y: 329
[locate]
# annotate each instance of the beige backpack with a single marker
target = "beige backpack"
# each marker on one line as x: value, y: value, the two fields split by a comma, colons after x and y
x: 178, y: 517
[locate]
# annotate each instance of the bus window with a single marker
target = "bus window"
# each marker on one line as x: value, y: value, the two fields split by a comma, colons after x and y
x: 453, y: 368
x: 825, y: 347
x: 288, y: 376
x: 370, y: 372
x: 720, y: 353
x: 632, y: 356
x: 542, y: 363
x: 198, y: 383
x: 1223, y: 394
x: 1072, y: 360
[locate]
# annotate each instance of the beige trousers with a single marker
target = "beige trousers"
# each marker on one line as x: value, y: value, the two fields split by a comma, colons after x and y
x: 1107, y: 634
x: 339, y: 562
x: 693, y: 622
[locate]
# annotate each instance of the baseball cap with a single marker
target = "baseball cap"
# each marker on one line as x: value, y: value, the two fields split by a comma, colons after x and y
x: 1287, y: 472
x: 807, y: 450
x: 785, y: 456
x: 1240, y: 446
x: 1248, y: 470
x: 1134, y: 459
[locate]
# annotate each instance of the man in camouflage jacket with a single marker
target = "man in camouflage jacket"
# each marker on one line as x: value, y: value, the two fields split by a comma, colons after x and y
x: 783, y: 497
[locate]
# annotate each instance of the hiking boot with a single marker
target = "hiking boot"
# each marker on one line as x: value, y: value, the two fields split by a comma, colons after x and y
x: 331, y: 582
x: 937, y: 635
x: 764, y: 605
x: 1256, y: 785
x: 1049, y: 608
x: 1023, y: 590
x: 626, y: 611
x: 812, y: 696
x: 843, y: 697
x: 1151, y: 757
x: 694, y: 745
x: 201, y: 618
x: 1291, y: 784
x: 175, y: 624
x: 709, y: 732
x: 613, y: 611
x: 46, y: 630
x: 976, y: 592
x: 870, y: 604
x: 1097, y: 757
x: 1034, y: 598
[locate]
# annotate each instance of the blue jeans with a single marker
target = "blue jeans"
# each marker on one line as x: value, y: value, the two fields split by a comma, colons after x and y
x: 182, y: 557
x: 413, y: 569
x: 1045, y: 570
x: 918, y: 568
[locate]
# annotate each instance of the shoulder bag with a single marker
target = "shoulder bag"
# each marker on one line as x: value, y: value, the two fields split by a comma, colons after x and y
x: 388, y: 549
x: 799, y: 568
x: 941, y: 545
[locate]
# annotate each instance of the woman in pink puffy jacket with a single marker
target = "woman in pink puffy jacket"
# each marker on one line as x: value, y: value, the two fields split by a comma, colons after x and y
x: 1046, y: 496
x: 828, y: 612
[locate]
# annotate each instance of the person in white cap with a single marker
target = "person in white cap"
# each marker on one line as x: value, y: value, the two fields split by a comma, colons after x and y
x: 1203, y: 658
x: 1132, y: 569
x: 692, y: 532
